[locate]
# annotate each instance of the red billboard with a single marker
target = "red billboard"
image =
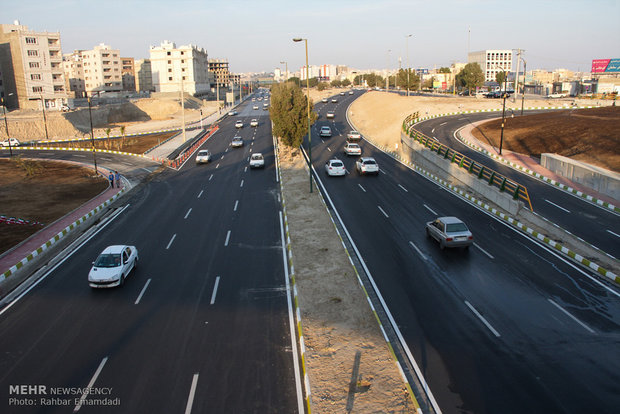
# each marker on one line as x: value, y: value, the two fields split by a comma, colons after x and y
x: 599, y: 65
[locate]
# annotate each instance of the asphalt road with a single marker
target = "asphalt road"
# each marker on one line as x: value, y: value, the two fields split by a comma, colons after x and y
x: 507, y: 326
x: 201, y: 325
x: 568, y: 211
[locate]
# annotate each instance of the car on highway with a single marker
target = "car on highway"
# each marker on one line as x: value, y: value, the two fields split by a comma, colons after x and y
x: 236, y: 142
x: 239, y: 124
x: 255, y: 107
x: 14, y: 142
x: 232, y: 113
x: 334, y: 100
x: 354, y: 136
x: 113, y: 266
x: 254, y: 122
x: 203, y: 157
x: 556, y: 95
x: 335, y: 167
x: 325, y: 131
x: 351, y: 148
x: 367, y: 165
x: 449, y: 232
x: 350, y: 92
x: 257, y: 160
x: 330, y: 115
x: 324, y: 100
x: 341, y: 93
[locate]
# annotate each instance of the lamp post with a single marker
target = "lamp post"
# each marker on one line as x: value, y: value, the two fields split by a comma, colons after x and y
x: 501, y: 137
x: 523, y: 87
x: 298, y: 39
x: 44, y: 117
x: 92, y: 137
x: 286, y: 64
x: 6, y: 126
x: 408, y: 70
x: 387, y: 77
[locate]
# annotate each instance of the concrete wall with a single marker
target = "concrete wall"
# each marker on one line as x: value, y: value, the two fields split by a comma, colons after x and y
x: 430, y: 161
x: 599, y: 179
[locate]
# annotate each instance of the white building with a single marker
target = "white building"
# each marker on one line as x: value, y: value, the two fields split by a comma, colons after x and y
x: 102, y: 69
x: 74, y: 74
x: 492, y: 62
x: 171, y: 66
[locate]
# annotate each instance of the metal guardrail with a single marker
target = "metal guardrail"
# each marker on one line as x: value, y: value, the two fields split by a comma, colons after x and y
x: 492, y: 177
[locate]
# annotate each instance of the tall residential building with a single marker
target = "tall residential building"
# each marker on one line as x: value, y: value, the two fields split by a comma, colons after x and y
x: 492, y: 62
x: 74, y: 74
x: 219, y: 68
x: 143, y: 76
x: 102, y: 69
x: 185, y: 67
x: 128, y: 74
x: 31, y: 67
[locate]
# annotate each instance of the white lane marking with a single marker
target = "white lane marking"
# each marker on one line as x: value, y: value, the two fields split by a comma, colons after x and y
x: 143, y: 290
x: 250, y: 149
x: 245, y: 169
x: 187, y: 215
x: 192, y: 392
x: 236, y: 204
x: 217, y: 282
x: 227, y: 148
x: 488, y: 325
x: 572, y: 317
x: 418, y: 250
x: 171, y: 240
x: 617, y: 235
x: 222, y: 157
x: 363, y: 189
x: 433, y: 131
x: 329, y: 149
x: 227, y: 238
x: 217, y: 166
x: 90, y: 385
x: 210, y: 177
x: 241, y: 183
x: 406, y: 191
x: 80, y: 156
x: 201, y: 191
x: 484, y: 251
x: 555, y: 205
x: 429, y: 209
x: 443, y: 124
x: 147, y: 170
x: 384, y: 213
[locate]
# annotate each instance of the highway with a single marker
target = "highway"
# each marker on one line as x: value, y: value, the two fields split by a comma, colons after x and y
x: 568, y: 211
x: 202, y: 325
x: 507, y: 326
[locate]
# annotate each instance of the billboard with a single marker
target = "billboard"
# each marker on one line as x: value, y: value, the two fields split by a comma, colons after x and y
x: 606, y: 66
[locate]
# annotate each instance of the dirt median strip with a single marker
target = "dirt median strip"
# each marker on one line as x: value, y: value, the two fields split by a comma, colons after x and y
x: 349, y: 364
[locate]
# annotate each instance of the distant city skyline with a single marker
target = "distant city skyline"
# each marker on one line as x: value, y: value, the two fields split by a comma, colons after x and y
x: 256, y: 36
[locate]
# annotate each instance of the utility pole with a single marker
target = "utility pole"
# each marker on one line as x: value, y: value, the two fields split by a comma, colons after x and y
x: 44, y: 117
x: 408, y: 67
x: 523, y: 87
x: 183, y: 107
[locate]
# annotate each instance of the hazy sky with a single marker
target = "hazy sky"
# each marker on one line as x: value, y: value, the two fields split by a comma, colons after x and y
x: 256, y: 35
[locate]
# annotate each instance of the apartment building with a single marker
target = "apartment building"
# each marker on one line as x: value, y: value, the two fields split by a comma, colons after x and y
x: 221, y: 73
x: 492, y: 62
x: 74, y: 74
x: 128, y: 74
x: 143, y: 75
x: 31, y: 67
x: 102, y: 69
x: 184, y: 67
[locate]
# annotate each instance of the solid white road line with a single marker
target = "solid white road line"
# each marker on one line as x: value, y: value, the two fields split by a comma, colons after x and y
x: 187, y: 214
x: 586, y: 327
x: 406, y: 191
x: 143, y: 290
x: 429, y: 209
x: 384, y: 213
x: 171, y: 240
x: 488, y: 325
x: 417, y: 250
x: 80, y: 156
x: 363, y: 189
x: 617, y: 235
x: 201, y: 191
x: 484, y: 251
x: 443, y: 124
x: 90, y: 385
x: 227, y: 238
x: 236, y: 204
x: 217, y: 282
x: 555, y: 205
x: 192, y: 392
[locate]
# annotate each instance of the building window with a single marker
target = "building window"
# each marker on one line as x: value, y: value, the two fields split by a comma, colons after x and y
x: 33, y: 53
x: 35, y: 76
x: 170, y: 78
x: 169, y: 70
x: 33, y: 65
x: 31, y: 40
x: 37, y: 89
x: 168, y: 53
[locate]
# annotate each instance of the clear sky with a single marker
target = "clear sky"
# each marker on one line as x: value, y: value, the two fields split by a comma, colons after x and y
x: 255, y: 36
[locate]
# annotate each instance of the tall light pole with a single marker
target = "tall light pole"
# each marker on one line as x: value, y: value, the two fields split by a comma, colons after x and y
x: 298, y: 39
x: 501, y: 138
x: 523, y: 87
x: 408, y: 70
x: 92, y: 137
x: 387, y: 78
x: 286, y: 64
x: 44, y: 117
x: 6, y: 126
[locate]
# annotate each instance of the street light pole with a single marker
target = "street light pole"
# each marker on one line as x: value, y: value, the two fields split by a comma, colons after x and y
x: 501, y: 138
x: 408, y: 69
x: 387, y: 77
x: 308, y: 97
x: 44, y: 117
x: 523, y: 87
x: 92, y: 137
x: 6, y: 127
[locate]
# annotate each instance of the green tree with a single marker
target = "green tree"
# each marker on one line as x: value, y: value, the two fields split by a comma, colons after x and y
x: 322, y: 86
x: 336, y: 83
x: 346, y: 83
x: 295, y: 80
x: 288, y: 113
x: 470, y: 77
x: 500, y: 77
x: 428, y: 83
x: 313, y: 82
x: 414, y: 79
x: 444, y: 70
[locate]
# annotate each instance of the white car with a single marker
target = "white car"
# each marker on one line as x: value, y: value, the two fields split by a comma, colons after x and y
x: 367, y: 165
x: 257, y: 160
x: 330, y: 115
x: 237, y: 142
x: 232, y: 113
x: 335, y: 167
x: 203, y: 157
x: 449, y: 232
x: 254, y: 123
x: 239, y: 124
x: 14, y: 142
x: 352, y: 149
x: 341, y: 93
x: 325, y: 131
x: 113, y: 266
x: 350, y: 92
x: 324, y: 100
x: 334, y: 100
x: 354, y: 136
x: 255, y: 107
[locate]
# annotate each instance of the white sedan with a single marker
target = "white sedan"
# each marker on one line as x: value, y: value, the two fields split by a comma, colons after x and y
x: 351, y: 148
x: 254, y: 123
x: 13, y: 142
x: 113, y: 266
x: 335, y: 167
x: 239, y: 124
x: 257, y: 160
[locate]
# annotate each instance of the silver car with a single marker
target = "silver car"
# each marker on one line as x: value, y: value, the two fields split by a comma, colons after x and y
x: 449, y: 232
x: 203, y: 157
x: 113, y: 266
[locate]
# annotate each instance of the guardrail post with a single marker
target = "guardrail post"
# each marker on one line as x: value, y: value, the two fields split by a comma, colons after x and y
x: 471, y: 166
x: 447, y: 152
x: 453, y: 157
x: 438, y: 149
x: 481, y: 173
x: 502, y: 187
x: 515, y: 196
x: 461, y: 162
x: 492, y: 177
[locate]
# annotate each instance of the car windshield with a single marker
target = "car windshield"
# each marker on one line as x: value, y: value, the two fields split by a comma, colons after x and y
x: 108, y: 260
x: 456, y: 227
x: 369, y: 162
x: 203, y: 153
x: 257, y: 157
x: 337, y: 164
